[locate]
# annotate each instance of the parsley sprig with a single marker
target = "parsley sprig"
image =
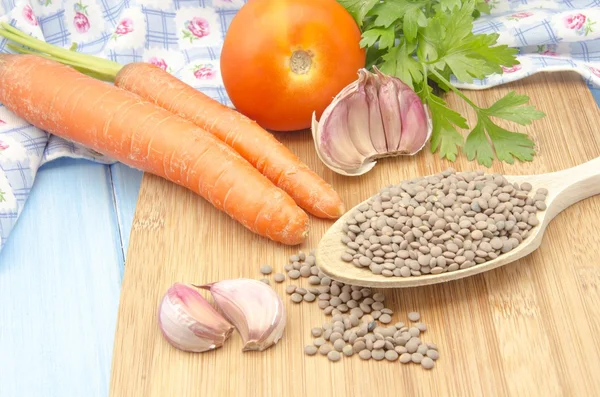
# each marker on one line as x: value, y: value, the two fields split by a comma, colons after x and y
x: 423, y: 43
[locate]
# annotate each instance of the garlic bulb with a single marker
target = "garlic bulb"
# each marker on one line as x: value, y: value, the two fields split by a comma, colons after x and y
x: 254, y: 308
x: 376, y: 116
x: 189, y: 322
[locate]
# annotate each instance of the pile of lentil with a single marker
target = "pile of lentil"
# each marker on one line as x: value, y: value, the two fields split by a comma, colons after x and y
x: 440, y: 223
x: 360, y: 323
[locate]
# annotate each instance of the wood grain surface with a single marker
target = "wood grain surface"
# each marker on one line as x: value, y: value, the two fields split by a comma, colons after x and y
x: 530, y: 328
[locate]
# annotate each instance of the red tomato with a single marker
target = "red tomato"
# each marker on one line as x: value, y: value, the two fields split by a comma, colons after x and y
x: 282, y: 60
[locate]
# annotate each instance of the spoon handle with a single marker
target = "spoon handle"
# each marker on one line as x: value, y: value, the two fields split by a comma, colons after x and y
x: 572, y: 185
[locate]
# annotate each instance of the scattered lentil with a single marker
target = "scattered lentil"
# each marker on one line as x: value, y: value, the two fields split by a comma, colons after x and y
x: 308, y: 297
x: 385, y: 318
x: 433, y: 354
x: 417, y: 358
x: 391, y: 355
x: 339, y: 345
x: 325, y: 349
x: 414, y: 316
x: 348, y: 350
x: 405, y: 358
x: 296, y: 297
x: 290, y: 289
x: 359, y: 317
x: 427, y: 363
x: 377, y: 354
x: 310, y: 350
x: 279, y: 277
x: 266, y: 269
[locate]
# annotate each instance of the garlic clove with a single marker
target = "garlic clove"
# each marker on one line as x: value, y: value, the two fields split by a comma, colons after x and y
x: 366, y: 167
x: 376, y: 128
x: 254, y: 308
x: 189, y: 322
x: 415, y: 133
x: 358, y: 121
x: 339, y: 146
x: 376, y: 108
x: 390, y: 112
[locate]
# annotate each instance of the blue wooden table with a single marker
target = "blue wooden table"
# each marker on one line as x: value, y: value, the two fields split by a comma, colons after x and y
x: 60, y: 278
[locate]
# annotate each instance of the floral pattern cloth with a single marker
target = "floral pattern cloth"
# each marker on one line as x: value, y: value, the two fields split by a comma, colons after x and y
x: 184, y: 37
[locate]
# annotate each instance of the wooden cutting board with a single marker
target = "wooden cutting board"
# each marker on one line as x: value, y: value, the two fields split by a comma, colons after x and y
x: 531, y: 328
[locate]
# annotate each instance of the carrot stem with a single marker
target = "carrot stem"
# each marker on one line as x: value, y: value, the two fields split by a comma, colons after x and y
x: 97, y: 67
x: 82, y: 69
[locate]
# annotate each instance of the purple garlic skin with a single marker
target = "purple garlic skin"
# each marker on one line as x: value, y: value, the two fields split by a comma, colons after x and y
x: 254, y: 308
x: 189, y: 322
x: 375, y: 116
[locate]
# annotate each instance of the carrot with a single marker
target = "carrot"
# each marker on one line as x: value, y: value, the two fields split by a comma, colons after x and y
x: 119, y: 124
x: 252, y: 142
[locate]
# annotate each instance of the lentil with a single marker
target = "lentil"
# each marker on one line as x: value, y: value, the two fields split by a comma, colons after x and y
x: 348, y: 350
x: 427, y: 363
x: 290, y: 289
x: 296, y: 298
x: 414, y: 316
x: 405, y: 358
x: 334, y: 356
x: 462, y: 220
x: 310, y: 350
x: 266, y: 269
x: 417, y: 358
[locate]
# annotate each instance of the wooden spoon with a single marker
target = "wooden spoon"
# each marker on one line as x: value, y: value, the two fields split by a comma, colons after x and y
x: 565, y: 188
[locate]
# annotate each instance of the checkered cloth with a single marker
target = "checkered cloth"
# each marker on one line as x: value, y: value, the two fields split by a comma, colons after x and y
x: 184, y: 37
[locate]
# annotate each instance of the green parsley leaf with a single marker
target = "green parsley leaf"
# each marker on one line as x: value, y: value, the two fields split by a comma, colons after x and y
x: 444, y: 134
x: 429, y: 37
x: 510, y: 108
x: 413, y: 18
x: 389, y: 12
x: 374, y: 55
x: 510, y: 145
x: 384, y: 35
x: 358, y: 8
x: 484, y: 46
x: 458, y: 24
x: 399, y: 63
x: 507, y: 145
x: 478, y: 146
x: 465, y: 68
x: 483, y: 7
x: 449, y: 4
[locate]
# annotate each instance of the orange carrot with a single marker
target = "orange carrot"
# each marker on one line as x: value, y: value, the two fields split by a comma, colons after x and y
x: 252, y: 142
x: 256, y: 145
x: 119, y: 124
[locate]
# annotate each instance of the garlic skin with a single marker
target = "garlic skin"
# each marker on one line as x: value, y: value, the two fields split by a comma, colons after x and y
x: 189, y: 322
x: 374, y: 117
x: 254, y: 308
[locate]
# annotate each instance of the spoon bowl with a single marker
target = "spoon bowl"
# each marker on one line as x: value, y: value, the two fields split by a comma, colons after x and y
x: 565, y: 188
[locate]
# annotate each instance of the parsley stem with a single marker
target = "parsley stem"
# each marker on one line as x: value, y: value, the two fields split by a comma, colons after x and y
x: 456, y: 90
